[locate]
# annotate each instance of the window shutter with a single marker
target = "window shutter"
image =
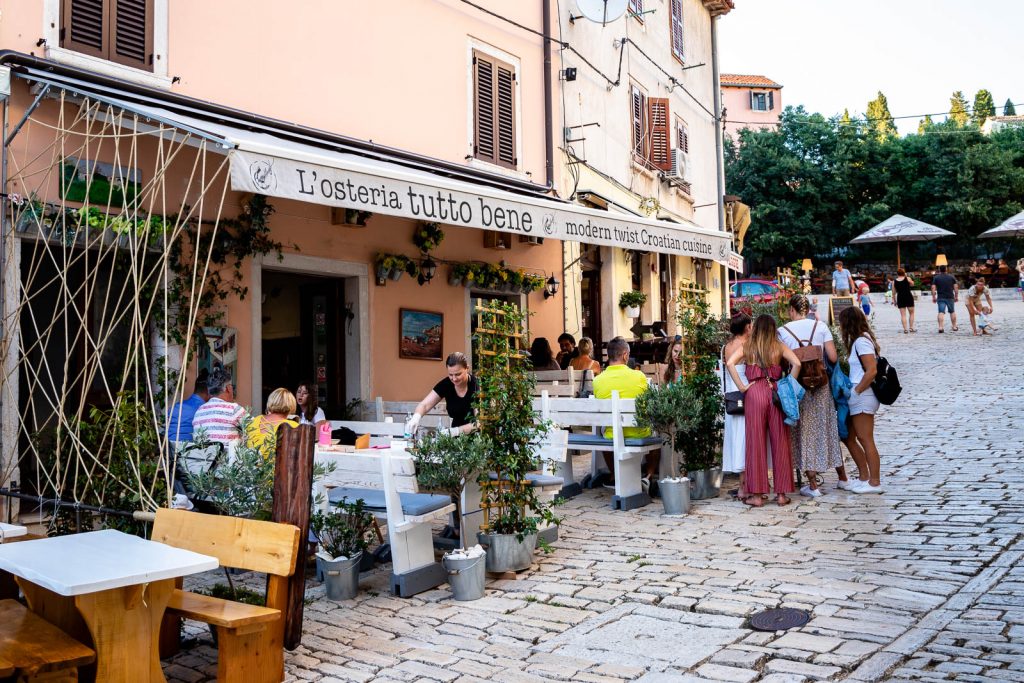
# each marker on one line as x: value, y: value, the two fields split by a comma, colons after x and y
x: 752, y: 100
x: 505, y: 115
x: 771, y: 100
x: 677, y: 29
x: 683, y: 138
x: 132, y: 33
x: 84, y: 26
x: 657, y: 115
x: 483, y: 109
x: 638, y: 107
x: 637, y: 6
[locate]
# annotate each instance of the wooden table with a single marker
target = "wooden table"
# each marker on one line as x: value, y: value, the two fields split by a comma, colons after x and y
x: 11, y: 530
x: 106, y: 588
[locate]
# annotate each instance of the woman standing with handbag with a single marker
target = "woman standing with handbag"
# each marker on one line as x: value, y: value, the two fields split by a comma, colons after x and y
x: 864, y: 350
x: 734, y: 454
x: 815, y: 438
x: 763, y: 354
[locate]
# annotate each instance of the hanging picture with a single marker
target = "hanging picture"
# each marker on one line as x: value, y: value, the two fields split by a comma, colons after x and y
x: 98, y: 183
x: 420, y: 334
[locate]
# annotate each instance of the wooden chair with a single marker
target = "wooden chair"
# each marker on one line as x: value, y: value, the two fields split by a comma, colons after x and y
x: 32, y: 649
x: 400, y: 410
x: 250, y: 639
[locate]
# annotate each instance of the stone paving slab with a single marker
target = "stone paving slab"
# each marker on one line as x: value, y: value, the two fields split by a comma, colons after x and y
x: 922, y: 583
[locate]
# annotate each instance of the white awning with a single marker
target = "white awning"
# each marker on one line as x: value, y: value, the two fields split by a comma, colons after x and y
x: 273, y: 165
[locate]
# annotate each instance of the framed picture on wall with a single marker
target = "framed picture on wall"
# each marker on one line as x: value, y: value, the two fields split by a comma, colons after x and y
x: 420, y: 334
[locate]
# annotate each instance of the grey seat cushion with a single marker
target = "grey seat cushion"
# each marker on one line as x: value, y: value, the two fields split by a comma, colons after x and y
x: 536, y: 479
x: 598, y: 440
x: 412, y: 503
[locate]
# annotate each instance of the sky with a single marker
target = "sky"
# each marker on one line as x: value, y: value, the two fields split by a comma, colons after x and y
x: 835, y: 54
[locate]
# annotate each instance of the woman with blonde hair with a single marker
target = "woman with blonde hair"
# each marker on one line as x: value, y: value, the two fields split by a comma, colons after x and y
x: 762, y: 355
x: 585, y: 361
x: 281, y: 405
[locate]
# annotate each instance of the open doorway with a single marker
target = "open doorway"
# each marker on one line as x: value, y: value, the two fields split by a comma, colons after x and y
x: 305, y: 323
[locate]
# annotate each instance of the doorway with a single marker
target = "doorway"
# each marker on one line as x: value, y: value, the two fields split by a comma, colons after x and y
x: 305, y: 323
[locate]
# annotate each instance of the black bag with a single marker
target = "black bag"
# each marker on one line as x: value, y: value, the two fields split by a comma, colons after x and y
x: 734, y: 402
x: 886, y: 384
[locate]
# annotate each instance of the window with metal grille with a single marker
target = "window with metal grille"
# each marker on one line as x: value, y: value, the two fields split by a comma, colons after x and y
x: 116, y: 30
x: 676, y: 27
x: 494, y: 111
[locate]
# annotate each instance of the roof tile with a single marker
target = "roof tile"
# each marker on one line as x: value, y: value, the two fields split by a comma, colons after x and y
x: 748, y: 80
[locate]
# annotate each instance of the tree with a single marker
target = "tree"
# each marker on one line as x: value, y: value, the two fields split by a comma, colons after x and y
x: 924, y: 124
x: 984, y: 107
x: 1008, y: 108
x: 958, y: 109
x: 880, y: 121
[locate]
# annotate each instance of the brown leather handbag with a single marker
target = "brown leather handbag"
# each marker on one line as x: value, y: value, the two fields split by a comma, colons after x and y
x: 812, y: 360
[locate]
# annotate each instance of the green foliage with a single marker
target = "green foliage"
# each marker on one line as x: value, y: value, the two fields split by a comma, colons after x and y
x: 698, y: 437
x: 1008, y: 108
x: 504, y: 407
x: 880, y: 121
x: 958, y: 109
x: 925, y: 125
x: 235, y: 593
x: 446, y: 463
x: 984, y: 107
x: 344, y: 531
x: 660, y: 407
x: 632, y: 298
x: 427, y: 236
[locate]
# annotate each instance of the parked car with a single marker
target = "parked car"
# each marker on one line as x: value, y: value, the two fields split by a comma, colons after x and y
x: 743, y: 292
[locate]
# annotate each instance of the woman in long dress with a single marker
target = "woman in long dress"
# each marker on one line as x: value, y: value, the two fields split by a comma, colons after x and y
x: 734, y: 455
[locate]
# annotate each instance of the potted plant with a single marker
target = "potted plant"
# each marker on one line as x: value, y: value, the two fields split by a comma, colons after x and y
x: 448, y: 463
x: 457, y: 273
x: 344, y: 534
x: 661, y: 409
x: 32, y: 211
x: 631, y: 301
x: 504, y: 408
x: 427, y: 236
x: 357, y: 217
x: 384, y: 264
x: 515, y: 280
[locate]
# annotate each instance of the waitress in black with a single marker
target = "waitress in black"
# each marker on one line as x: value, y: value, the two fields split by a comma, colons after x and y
x: 458, y: 391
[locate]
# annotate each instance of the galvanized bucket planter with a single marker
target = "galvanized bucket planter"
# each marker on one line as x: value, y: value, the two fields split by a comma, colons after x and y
x: 705, y: 483
x: 466, y: 576
x: 675, y: 495
x: 341, y: 577
x: 506, y: 553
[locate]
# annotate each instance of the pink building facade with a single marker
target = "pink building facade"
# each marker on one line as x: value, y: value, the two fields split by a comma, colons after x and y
x: 750, y: 101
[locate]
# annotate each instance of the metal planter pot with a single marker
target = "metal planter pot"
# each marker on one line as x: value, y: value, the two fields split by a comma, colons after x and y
x: 675, y: 496
x: 466, y: 576
x: 505, y: 553
x: 705, y: 483
x: 341, y: 577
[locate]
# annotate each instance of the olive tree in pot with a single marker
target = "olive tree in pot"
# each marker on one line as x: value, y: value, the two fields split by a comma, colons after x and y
x: 344, y: 534
x: 660, y: 408
x: 698, y: 437
x: 504, y: 406
x: 449, y: 463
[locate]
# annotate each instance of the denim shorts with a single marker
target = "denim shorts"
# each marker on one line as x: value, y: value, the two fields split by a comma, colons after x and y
x: 946, y: 306
x: 864, y: 403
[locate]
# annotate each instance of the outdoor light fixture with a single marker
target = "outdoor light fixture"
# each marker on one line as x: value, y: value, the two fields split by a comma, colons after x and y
x: 806, y: 265
x: 551, y: 288
x: 427, y: 269
x: 940, y: 260
x: 569, y: 73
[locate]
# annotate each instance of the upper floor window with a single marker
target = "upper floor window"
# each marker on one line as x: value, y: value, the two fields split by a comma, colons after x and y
x: 636, y: 8
x: 762, y: 101
x: 494, y: 110
x: 676, y: 21
x: 119, y: 31
x: 650, y: 129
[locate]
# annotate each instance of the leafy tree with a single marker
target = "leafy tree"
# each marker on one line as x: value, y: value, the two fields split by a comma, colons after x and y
x: 984, y: 107
x: 1008, y: 108
x: 880, y: 121
x: 925, y: 124
x: 958, y: 109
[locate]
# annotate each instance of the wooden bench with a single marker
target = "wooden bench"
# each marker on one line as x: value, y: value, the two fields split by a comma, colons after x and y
x: 627, y: 453
x: 399, y: 411
x: 34, y: 649
x: 250, y: 638
x: 385, y: 480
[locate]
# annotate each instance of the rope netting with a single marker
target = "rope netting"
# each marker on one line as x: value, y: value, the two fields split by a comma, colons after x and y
x: 113, y: 219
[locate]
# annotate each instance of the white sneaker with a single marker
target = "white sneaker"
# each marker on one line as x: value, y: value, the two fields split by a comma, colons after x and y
x: 865, y: 487
x: 809, y: 492
x: 847, y: 484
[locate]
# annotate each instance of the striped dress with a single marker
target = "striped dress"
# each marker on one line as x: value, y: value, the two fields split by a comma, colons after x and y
x: 765, y: 422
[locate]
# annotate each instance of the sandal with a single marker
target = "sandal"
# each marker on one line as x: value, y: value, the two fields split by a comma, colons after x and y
x: 956, y: 329
x: 782, y: 500
x: 750, y: 500
x: 913, y: 330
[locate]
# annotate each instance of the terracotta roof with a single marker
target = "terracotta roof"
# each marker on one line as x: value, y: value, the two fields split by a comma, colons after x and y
x: 1007, y: 119
x: 719, y: 8
x: 748, y: 81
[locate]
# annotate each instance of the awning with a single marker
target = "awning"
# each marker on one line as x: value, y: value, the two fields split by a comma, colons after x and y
x: 276, y: 164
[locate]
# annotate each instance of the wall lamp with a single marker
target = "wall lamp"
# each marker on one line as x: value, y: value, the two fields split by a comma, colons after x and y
x: 551, y: 287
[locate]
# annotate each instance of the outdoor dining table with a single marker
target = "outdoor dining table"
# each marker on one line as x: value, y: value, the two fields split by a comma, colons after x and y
x: 104, y: 588
x: 11, y: 531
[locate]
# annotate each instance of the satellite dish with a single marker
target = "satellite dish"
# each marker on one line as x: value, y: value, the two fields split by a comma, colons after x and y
x: 602, y: 11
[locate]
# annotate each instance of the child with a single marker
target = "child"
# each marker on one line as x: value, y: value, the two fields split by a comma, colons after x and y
x: 984, y: 324
x: 888, y: 289
x: 864, y: 299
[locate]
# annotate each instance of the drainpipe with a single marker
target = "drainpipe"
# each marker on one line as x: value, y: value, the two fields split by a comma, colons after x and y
x: 549, y: 114
x: 719, y: 158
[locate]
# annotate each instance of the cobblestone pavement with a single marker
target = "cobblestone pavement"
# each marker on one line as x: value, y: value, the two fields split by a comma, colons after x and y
x: 924, y: 582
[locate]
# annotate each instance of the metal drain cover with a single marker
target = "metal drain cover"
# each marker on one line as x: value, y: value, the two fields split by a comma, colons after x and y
x: 780, y: 619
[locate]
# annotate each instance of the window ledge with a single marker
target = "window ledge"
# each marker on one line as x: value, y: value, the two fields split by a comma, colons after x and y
x: 107, y: 68
x: 500, y: 170
x: 649, y: 173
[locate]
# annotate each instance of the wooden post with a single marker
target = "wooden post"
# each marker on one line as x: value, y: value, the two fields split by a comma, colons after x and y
x: 293, y: 484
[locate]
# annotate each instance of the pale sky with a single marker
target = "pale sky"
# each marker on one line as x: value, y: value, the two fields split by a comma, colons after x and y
x: 836, y: 54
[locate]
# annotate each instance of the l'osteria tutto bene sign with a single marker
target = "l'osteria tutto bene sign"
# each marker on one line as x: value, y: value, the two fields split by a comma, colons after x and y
x: 462, y: 204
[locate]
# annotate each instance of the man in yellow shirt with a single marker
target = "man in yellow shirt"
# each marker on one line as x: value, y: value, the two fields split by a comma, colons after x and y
x: 618, y: 376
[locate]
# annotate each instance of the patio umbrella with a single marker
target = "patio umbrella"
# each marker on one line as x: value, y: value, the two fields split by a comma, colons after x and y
x: 1011, y: 227
x: 898, y: 229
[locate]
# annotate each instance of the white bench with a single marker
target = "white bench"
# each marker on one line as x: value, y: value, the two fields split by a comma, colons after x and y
x: 579, y: 382
x: 627, y: 453
x: 385, y: 479
x: 399, y: 411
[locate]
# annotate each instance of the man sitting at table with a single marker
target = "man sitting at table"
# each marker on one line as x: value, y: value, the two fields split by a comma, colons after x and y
x: 220, y: 416
x: 629, y: 383
x: 179, y: 417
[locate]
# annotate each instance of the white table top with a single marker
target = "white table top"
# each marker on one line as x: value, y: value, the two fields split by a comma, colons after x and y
x: 12, y: 530
x: 98, y: 560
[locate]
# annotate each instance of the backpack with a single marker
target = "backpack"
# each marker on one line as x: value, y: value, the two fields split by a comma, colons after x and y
x: 886, y: 384
x: 812, y: 361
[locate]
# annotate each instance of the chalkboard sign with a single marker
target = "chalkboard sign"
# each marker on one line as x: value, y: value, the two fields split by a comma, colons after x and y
x: 836, y: 305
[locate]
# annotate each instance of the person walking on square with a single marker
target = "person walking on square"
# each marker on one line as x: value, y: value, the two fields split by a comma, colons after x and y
x: 814, y: 441
x: 902, y: 285
x: 1020, y: 277
x: 974, y: 306
x: 734, y: 443
x: 842, y: 280
x: 945, y: 293
x: 762, y: 355
x: 864, y: 350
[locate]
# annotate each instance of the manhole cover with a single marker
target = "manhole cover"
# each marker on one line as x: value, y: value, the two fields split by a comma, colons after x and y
x: 779, y: 619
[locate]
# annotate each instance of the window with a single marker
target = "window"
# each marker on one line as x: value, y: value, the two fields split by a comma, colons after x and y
x: 762, y: 101
x: 116, y: 30
x: 682, y: 144
x: 650, y: 129
x: 636, y: 8
x: 676, y: 22
x: 494, y: 107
